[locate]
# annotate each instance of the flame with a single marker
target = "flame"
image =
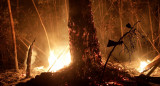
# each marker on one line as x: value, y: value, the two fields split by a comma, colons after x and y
x: 52, y: 58
x: 58, y: 62
x: 142, y: 66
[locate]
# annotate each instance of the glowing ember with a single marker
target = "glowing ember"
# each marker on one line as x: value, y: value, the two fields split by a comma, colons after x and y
x: 39, y: 68
x: 143, y: 64
x: 56, y: 63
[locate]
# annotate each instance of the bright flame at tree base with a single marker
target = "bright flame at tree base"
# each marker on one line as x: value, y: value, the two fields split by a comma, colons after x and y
x: 57, y: 62
x: 142, y: 66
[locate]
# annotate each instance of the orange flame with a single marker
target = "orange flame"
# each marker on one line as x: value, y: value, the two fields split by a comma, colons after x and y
x: 142, y: 66
x: 57, y: 63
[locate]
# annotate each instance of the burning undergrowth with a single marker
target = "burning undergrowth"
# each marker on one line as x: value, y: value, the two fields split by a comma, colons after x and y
x: 115, y: 74
x: 86, y: 76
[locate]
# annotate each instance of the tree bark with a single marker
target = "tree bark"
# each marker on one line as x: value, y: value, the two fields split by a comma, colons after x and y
x: 13, y: 35
x: 84, y: 46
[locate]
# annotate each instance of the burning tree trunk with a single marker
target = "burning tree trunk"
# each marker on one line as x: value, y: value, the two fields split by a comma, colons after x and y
x: 14, y: 37
x: 84, y: 45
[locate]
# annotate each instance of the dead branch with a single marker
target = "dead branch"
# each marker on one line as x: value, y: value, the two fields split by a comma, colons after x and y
x: 131, y: 29
x: 34, y: 46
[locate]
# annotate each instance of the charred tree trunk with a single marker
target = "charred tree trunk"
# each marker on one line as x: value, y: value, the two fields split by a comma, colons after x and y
x: 13, y: 35
x: 28, y: 70
x: 84, y: 45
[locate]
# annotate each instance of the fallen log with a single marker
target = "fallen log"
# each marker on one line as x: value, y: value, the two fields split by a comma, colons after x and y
x: 153, y: 65
x: 152, y: 70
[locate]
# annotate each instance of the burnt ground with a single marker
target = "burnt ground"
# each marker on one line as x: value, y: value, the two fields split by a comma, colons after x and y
x: 11, y: 77
x: 115, y: 75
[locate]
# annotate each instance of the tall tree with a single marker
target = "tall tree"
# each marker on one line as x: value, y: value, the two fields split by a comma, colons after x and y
x: 84, y: 44
x: 13, y: 35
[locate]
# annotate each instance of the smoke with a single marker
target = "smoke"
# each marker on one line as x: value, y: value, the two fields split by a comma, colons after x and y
x: 33, y: 58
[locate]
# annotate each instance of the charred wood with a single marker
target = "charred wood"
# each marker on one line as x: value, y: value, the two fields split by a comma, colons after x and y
x: 28, y: 70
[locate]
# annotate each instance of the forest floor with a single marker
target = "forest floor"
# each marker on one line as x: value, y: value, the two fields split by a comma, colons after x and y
x: 116, y: 72
x: 11, y: 77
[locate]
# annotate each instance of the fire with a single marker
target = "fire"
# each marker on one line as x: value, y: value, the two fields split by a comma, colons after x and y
x: 143, y: 64
x: 58, y: 62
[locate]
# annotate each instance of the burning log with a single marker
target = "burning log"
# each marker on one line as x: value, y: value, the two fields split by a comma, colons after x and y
x: 28, y: 70
x: 154, y: 64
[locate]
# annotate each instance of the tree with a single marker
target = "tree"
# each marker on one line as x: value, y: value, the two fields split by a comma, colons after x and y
x: 84, y: 45
x: 13, y: 35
